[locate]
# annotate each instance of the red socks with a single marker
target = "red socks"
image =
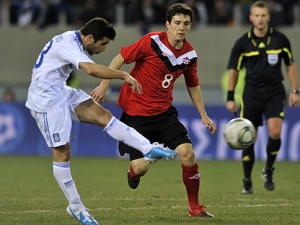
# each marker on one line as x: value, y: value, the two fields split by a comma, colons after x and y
x: 191, y: 180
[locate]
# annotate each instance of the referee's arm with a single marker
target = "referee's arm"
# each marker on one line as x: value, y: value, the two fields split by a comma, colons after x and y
x: 232, y: 81
x: 293, y: 77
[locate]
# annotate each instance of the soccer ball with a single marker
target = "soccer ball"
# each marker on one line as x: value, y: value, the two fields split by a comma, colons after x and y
x: 239, y: 133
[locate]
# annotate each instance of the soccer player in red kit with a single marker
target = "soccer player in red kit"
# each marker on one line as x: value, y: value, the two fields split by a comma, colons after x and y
x: 160, y: 58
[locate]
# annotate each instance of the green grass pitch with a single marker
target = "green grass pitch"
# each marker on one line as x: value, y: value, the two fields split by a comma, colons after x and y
x: 29, y: 194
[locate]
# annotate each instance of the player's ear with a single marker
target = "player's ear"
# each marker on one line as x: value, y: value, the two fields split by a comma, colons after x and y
x: 90, y: 38
x: 250, y: 18
x: 167, y: 24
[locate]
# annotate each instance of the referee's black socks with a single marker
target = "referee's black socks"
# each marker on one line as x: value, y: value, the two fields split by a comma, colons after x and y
x: 273, y: 147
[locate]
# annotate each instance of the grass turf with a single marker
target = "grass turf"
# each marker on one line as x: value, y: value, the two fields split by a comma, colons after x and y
x: 29, y: 194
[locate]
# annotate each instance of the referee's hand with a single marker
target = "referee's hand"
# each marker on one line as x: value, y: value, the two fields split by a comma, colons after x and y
x: 294, y: 100
x: 231, y: 107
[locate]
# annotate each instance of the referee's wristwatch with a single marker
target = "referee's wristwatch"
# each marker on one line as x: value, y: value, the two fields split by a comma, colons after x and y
x: 297, y: 92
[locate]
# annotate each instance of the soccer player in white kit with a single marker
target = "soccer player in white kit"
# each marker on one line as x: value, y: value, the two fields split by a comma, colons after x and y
x: 54, y: 105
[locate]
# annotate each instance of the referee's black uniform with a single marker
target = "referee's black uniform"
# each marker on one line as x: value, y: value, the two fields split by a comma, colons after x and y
x: 264, y: 92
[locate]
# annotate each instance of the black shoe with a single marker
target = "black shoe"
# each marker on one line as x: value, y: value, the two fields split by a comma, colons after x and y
x: 267, y: 176
x: 247, y: 188
x: 133, y: 183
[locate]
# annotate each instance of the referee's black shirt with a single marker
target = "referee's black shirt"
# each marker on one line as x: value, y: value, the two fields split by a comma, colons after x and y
x: 261, y: 57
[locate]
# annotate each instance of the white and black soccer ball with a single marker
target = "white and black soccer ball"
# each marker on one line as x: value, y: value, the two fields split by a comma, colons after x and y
x: 239, y: 133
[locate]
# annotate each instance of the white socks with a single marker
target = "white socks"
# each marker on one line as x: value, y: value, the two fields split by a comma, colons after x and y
x: 117, y: 130
x: 121, y: 132
x: 62, y: 174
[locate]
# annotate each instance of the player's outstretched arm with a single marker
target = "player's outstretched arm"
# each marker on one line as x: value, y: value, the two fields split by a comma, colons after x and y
x: 196, y: 97
x: 105, y: 72
x: 101, y: 71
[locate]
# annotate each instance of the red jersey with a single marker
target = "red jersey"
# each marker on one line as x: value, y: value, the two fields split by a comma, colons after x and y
x: 157, y: 66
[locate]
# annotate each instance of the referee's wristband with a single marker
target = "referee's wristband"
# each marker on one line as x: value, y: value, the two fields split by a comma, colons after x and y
x: 230, y: 95
x: 296, y: 92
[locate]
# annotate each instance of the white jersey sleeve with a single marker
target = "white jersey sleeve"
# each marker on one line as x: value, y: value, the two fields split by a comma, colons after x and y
x: 60, y: 56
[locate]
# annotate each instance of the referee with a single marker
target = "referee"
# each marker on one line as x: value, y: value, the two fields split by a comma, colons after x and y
x: 261, y: 51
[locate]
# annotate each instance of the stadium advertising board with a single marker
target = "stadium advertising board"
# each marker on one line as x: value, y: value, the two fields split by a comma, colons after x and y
x: 19, y: 135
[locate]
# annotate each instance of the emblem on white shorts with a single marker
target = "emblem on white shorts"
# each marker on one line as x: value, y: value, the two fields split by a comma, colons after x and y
x: 56, y: 137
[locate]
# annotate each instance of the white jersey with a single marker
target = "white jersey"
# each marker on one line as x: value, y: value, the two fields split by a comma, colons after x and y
x: 57, y: 60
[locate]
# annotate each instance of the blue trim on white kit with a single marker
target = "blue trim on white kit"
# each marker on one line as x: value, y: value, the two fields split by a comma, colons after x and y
x: 62, y: 164
x: 110, y: 124
x: 46, y: 128
x: 78, y: 40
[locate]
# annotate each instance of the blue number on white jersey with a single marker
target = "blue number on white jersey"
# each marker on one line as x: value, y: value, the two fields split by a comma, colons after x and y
x: 42, y: 54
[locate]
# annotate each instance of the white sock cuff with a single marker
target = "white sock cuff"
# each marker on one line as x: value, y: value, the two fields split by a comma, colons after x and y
x: 110, y: 124
x: 62, y: 164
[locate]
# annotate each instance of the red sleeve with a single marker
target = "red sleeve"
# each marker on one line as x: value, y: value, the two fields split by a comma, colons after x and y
x: 191, y: 75
x: 137, y: 50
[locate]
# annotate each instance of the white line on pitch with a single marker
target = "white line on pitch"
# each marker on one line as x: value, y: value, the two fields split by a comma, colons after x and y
x: 146, y: 199
x: 154, y: 207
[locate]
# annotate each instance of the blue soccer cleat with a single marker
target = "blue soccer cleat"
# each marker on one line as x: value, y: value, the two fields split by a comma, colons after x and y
x: 82, y: 215
x: 159, y: 152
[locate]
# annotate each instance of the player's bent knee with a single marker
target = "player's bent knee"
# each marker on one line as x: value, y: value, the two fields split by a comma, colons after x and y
x: 187, y: 157
x: 102, y: 117
x: 61, y: 153
x: 185, y: 151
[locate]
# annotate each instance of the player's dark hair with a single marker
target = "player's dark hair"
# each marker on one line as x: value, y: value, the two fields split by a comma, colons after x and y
x: 99, y: 28
x: 179, y: 8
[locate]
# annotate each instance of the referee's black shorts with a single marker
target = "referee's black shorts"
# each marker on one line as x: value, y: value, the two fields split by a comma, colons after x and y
x: 164, y: 128
x: 263, y: 101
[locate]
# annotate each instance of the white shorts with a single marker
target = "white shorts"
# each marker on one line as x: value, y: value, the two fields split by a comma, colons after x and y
x: 55, y: 125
